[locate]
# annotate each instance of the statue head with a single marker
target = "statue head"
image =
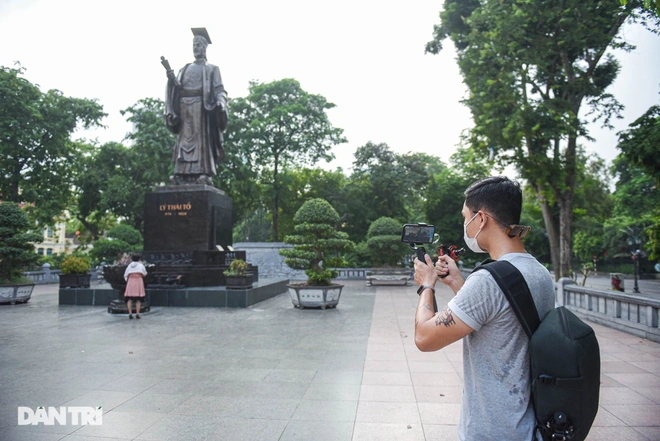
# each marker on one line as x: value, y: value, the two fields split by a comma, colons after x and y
x: 200, y: 42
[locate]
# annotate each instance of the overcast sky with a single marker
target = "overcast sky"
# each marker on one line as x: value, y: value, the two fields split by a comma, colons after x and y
x: 365, y: 56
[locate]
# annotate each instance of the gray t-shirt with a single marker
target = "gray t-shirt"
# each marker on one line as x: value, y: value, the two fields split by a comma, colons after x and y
x: 496, y: 387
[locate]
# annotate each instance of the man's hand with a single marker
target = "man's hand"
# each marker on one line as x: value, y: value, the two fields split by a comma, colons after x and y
x: 447, y: 271
x: 425, y: 273
x: 435, y: 331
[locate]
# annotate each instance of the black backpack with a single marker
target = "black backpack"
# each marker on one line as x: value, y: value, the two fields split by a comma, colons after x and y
x: 564, y: 356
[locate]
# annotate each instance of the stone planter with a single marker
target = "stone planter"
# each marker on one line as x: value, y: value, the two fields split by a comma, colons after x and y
x: 239, y: 282
x: 306, y: 296
x: 75, y: 280
x: 16, y: 293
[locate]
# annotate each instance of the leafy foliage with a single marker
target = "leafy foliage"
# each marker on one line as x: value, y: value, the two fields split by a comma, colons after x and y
x: 315, y: 241
x: 279, y: 125
x: 107, y: 250
x: 127, y: 234
x: 388, y: 184
x: 114, y: 178
x: 74, y: 264
x: 16, y: 249
x: 530, y: 68
x: 238, y: 267
x: 641, y: 143
x: 36, y: 155
x: 384, y: 241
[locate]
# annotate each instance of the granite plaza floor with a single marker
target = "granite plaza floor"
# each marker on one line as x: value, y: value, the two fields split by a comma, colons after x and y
x: 269, y: 372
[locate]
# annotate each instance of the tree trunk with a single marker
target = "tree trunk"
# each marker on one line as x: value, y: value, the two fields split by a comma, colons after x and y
x: 566, y: 234
x: 93, y: 229
x: 15, y: 195
x: 276, y: 202
x: 551, y: 230
x: 566, y: 208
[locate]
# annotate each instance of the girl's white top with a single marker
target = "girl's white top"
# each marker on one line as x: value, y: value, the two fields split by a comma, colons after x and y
x: 135, y: 267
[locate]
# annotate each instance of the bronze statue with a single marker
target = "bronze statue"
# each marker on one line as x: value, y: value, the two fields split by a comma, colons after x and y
x: 196, y: 112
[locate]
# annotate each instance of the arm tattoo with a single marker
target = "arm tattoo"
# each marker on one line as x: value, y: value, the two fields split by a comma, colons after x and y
x: 427, y: 306
x: 446, y: 317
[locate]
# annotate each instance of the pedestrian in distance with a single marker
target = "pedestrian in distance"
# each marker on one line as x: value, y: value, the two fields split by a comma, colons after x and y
x: 134, y: 276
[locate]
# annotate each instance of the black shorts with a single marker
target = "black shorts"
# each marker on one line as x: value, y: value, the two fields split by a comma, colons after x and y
x: 139, y: 299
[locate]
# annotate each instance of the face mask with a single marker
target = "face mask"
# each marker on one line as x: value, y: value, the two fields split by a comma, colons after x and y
x: 471, y: 242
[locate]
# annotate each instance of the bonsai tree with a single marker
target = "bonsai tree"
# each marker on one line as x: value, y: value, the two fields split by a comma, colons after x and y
x: 16, y: 249
x: 316, y: 241
x: 73, y: 264
x: 384, y: 242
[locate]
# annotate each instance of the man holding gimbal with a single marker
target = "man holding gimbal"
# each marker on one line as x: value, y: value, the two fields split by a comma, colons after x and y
x: 496, y: 401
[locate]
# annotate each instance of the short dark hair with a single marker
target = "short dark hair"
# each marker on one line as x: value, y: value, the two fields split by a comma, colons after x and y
x: 135, y: 257
x: 499, y: 196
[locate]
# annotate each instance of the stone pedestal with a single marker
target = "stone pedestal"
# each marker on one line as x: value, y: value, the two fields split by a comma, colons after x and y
x: 188, y: 235
x: 187, y: 218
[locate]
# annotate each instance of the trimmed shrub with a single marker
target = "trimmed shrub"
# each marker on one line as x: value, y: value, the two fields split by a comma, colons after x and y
x: 316, y: 242
x: 16, y: 250
x: 384, y: 242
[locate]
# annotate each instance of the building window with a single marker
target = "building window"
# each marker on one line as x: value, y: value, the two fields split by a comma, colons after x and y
x: 49, y: 251
x: 49, y: 232
x: 40, y: 251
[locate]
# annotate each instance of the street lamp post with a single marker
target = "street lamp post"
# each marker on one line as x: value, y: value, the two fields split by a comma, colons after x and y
x: 637, y: 255
x: 635, y: 238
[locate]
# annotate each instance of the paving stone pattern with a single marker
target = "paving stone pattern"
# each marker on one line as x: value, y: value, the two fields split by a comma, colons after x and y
x: 269, y: 372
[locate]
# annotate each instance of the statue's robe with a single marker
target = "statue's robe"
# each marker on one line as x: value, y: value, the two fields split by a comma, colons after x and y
x: 196, y: 111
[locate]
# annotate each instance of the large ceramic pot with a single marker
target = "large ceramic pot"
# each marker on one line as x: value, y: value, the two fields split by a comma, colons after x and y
x: 75, y: 280
x: 114, y: 275
x: 307, y: 296
x: 16, y: 293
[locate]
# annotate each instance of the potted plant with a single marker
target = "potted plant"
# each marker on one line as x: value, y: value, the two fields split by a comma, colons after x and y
x: 315, y: 243
x: 16, y: 254
x: 237, y: 276
x: 75, y: 272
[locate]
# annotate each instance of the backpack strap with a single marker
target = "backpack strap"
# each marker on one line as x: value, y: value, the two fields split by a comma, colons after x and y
x: 515, y: 289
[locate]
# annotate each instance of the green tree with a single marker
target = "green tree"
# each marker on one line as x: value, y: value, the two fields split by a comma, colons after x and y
x: 384, y: 242
x: 593, y: 206
x: 640, y: 144
x: 127, y: 234
x: 111, y: 180
x: 316, y: 241
x: 385, y: 183
x: 36, y: 153
x: 300, y: 185
x: 16, y: 249
x: 150, y: 141
x: 651, y: 5
x: 636, y: 201
x: 107, y: 250
x: 115, y: 177
x: 279, y: 125
x: 532, y: 68
x: 91, y: 219
x: 445, y: 194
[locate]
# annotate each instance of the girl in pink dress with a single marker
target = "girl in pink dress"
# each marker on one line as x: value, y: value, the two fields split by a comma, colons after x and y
x: 134, y: 275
